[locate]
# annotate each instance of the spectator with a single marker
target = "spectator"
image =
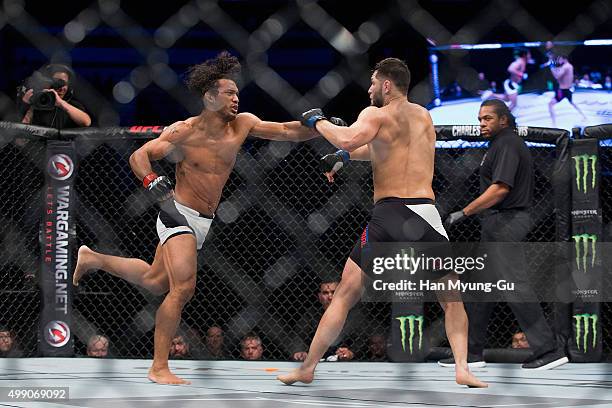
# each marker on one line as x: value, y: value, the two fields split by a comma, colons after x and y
x: 493, y: 86
x: 180, y: 348
x: 453, y: 91
x: 607, y: 85
x: 97, y: 346
x: 215, y: 343
x: 8, y: 344
x: 348, y: 342
x: 585, y: 81
x: 519, y: 341
x: 458, y: 91
x: 251, y: 347
x: 47, y: 99
x: 483, y: 88
x: 377, y: 348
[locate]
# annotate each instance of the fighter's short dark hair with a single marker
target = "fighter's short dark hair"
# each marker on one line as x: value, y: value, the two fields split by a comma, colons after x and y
x: 501, y: 109
x: 396, y: 71
x: 203, y: 77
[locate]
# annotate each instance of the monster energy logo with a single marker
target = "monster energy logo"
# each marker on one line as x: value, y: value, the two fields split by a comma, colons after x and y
x: 583, y: 169
x: 581, y: 243
x: 411, y: 332
x: 583, y: 320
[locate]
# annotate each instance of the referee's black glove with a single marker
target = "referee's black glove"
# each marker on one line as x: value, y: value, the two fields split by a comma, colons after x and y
x: 454, y: 218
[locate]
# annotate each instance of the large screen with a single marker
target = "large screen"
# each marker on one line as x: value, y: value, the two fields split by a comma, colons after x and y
x: 464, y: 75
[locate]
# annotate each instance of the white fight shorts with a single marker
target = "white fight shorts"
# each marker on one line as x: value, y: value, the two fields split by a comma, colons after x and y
x: 511, y: 87
x: 176, y: 219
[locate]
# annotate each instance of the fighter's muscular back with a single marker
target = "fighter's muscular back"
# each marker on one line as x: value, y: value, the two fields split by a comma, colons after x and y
x: 402, y: 152
x: 206, y: 155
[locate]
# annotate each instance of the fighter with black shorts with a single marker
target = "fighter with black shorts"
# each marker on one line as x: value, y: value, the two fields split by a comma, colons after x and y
x: 398, y: 138
x: 563, y: 71
x: 390, y: 218
x: 561, y: 94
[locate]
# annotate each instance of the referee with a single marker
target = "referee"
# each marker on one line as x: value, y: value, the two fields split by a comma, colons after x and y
x: 506, y: 186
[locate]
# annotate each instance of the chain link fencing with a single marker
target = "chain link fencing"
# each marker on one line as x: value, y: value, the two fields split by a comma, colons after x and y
x: 21, y: 198
x: 279, y: 232
x: 281, y: 228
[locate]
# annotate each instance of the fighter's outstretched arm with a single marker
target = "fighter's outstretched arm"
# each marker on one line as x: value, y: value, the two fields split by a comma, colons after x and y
x: 351, y: 138
x: 287, y: 131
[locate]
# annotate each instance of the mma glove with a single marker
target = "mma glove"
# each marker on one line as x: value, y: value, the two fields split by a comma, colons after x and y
x: 311, y: 117
x: 454, y: 218
x: 160, y: 187
x: 337, y: 121
x: 334, y: 162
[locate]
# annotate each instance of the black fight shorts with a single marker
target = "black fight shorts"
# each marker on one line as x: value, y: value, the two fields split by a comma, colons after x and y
x: 401, y: 220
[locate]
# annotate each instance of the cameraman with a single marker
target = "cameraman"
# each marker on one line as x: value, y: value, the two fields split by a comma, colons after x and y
x: 47, y: 99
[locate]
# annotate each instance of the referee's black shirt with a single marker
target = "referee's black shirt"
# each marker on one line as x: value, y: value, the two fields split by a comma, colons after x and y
x: 509, y: 161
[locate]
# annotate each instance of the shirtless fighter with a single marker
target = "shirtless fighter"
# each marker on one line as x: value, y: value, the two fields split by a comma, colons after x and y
x: 563, y: 71
x: 208, y: 145
x: 398, y: 137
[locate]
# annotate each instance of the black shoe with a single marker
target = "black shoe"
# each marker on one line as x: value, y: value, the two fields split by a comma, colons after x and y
x: 548, y: 361
x: 474, y: 361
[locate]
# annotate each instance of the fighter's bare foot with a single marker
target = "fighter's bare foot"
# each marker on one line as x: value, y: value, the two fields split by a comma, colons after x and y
x: 164, y: 376
x: 296, y: 375
x: 465, y: 377
x: 83, y: 264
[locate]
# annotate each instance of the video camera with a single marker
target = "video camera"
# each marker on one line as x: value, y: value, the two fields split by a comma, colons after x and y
x: 42, y: 98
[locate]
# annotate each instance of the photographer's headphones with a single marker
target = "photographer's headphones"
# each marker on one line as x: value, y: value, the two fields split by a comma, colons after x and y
x: 50, y: 69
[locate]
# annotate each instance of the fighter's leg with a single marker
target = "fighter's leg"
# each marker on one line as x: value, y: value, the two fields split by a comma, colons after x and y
x: 513, y: 98
x: 551, y: 105
x: 578, y: 109
x: 151, y: 277
x: 345, y: 297
x: 456, y: 324
x: 180, y: 261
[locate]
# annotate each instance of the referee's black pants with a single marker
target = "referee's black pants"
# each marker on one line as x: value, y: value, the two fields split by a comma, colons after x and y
x: 510, y: 264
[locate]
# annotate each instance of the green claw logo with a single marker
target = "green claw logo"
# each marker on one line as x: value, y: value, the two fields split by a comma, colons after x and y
x: 581, y: 244
x: 583, y: 169
x: 411, y: 330
x: 584, y: 320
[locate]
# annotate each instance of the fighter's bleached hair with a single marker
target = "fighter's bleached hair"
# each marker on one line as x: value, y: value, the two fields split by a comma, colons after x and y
x: 203, y: 77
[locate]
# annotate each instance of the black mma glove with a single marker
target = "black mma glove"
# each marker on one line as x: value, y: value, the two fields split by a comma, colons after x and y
x: 454, y: 218
x: 337, y: 121
x: 311, y: 117
x: 334, y: 162
x: 159, y: 187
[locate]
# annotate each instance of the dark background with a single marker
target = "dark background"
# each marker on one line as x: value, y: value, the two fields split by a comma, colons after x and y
x: 301, y: 56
